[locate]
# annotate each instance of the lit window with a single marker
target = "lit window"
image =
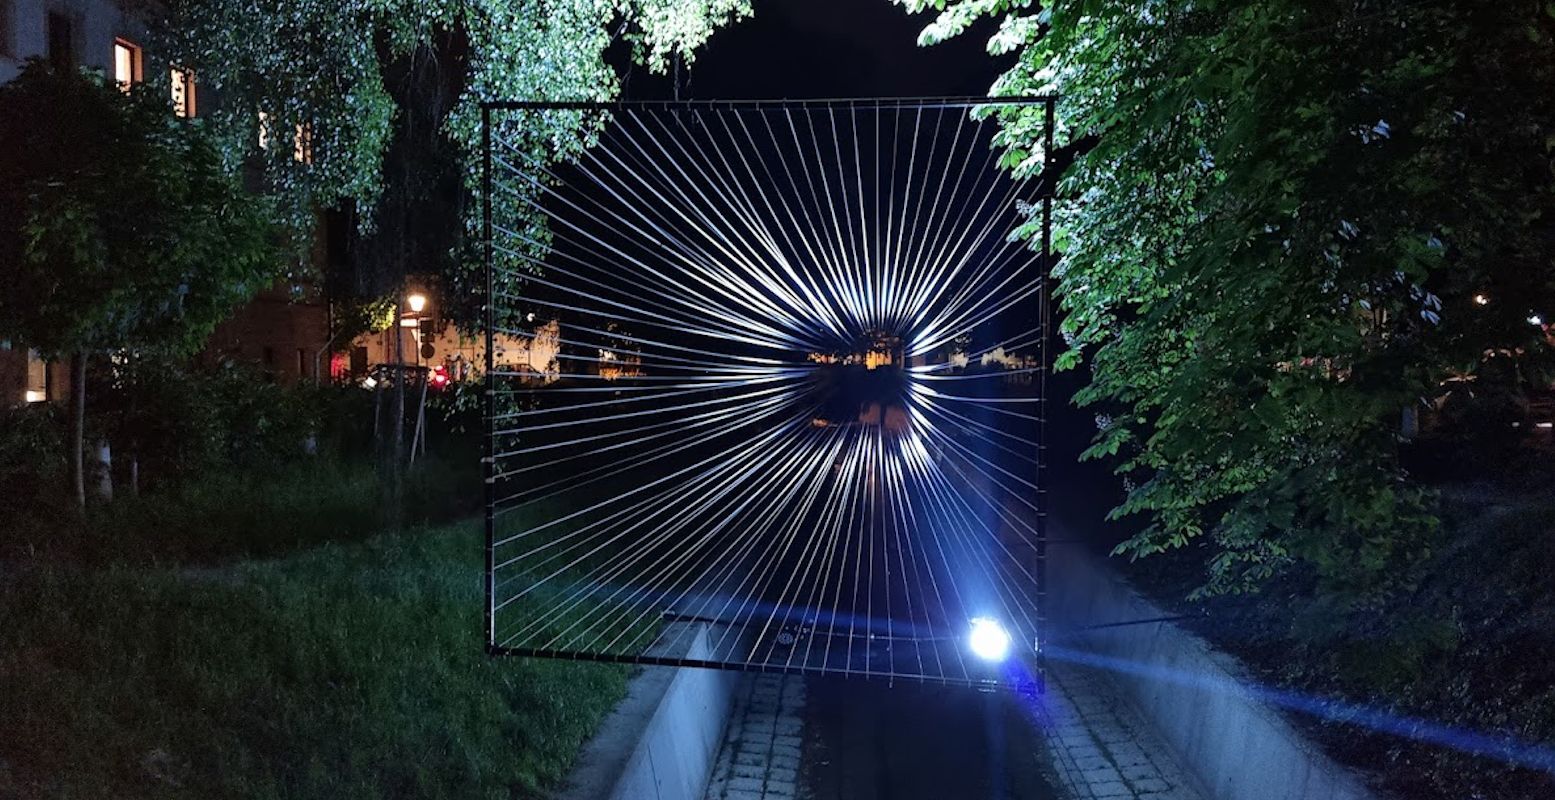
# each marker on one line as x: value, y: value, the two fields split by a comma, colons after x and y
x: 37, y: 378
x: 183, y: 92
x: 302, y: 140
x: 126, y: 63
x: 302, y: 146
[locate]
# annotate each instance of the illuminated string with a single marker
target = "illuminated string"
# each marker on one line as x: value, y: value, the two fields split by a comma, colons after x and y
x: 674, y: 463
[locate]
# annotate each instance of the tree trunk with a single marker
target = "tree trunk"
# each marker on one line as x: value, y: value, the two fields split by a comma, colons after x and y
x: 102, y: 464
x: 77, y: 437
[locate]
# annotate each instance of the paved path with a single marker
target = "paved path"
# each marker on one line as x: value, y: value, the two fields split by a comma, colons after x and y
x: 763, y: 743
x: 834, y: 739
x: 1099, y: 745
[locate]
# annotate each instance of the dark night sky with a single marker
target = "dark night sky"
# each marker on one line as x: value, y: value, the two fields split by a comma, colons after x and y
x: 829, y: 48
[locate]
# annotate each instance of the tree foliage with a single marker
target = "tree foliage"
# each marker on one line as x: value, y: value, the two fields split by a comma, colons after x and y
x: 1275, y: 245
x: 124, y: 231
x: 322, y: 67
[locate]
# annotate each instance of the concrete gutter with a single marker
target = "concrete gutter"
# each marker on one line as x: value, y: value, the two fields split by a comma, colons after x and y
x: 1202, y: 702
x: 661, y: 741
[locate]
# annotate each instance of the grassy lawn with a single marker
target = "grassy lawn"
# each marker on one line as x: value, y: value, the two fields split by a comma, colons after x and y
x: 231, y: 516
x: 347, y: 669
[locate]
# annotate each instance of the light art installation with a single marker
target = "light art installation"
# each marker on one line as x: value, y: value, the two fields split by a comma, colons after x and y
x: 796, y: 419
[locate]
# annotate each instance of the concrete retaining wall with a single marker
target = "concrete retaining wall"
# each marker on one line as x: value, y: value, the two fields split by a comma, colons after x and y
x: 660, y: 742
x: 1226, y: 731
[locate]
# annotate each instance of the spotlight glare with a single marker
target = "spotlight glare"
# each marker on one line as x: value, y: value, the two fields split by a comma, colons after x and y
x: 988, y: 639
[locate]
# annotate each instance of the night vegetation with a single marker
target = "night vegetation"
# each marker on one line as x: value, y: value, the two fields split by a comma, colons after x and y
x: 344, y: 670
x: 256, y: 618
x: 1475, y: 659
x: 1286, y: 224
x: 101, y: 259
x: 387, y: 95
x: 247, y: 626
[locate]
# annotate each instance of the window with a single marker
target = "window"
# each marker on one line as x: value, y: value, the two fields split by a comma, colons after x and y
x: 126, y: 63
x: 183, y: 92
x: 302, y: 141
x: 302, y: 146
x: 37, y: 378
x: 61, y: 33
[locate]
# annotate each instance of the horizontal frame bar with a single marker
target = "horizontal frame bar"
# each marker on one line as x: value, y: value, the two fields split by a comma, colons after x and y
x: 989, y: 684
x: 962, y: 101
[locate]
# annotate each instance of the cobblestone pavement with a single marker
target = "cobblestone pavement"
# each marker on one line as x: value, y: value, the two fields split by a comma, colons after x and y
x: 861, y: 740
x: 1100, y: 747
x: 762, y: 744
x: 839, y: 739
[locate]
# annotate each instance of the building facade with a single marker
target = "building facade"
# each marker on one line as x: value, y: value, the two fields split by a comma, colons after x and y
x: 104, y: 35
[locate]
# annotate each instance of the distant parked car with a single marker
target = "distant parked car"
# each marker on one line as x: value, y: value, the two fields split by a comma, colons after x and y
x: 382, y: 376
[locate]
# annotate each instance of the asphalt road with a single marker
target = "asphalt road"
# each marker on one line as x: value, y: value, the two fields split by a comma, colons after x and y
x: 865, y: 740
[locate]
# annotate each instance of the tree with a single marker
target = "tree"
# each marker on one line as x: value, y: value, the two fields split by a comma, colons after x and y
x: 125, y: 231
x: 385, y: 95
x: 1296, y: 219
x: 360, y: 80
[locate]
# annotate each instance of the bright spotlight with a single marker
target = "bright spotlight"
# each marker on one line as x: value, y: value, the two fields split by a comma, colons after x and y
x: 1535, y: 320
x: 417, y: 302
x: 988, y: 639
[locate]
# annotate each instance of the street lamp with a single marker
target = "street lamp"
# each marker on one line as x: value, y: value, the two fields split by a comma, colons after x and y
x: 417, y: 302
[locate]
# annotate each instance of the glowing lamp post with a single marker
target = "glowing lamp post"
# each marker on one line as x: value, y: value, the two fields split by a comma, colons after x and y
x: 417, y: 302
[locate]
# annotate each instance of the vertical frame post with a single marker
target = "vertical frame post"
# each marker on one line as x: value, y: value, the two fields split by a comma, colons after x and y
x: 1049, y: 114
x: 489, y: 400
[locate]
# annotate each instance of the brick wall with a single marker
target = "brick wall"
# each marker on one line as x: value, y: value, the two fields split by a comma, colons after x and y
x: 275, y: 333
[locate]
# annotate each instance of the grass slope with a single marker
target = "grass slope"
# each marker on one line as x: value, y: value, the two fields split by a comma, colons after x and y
x: 344, y: 671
